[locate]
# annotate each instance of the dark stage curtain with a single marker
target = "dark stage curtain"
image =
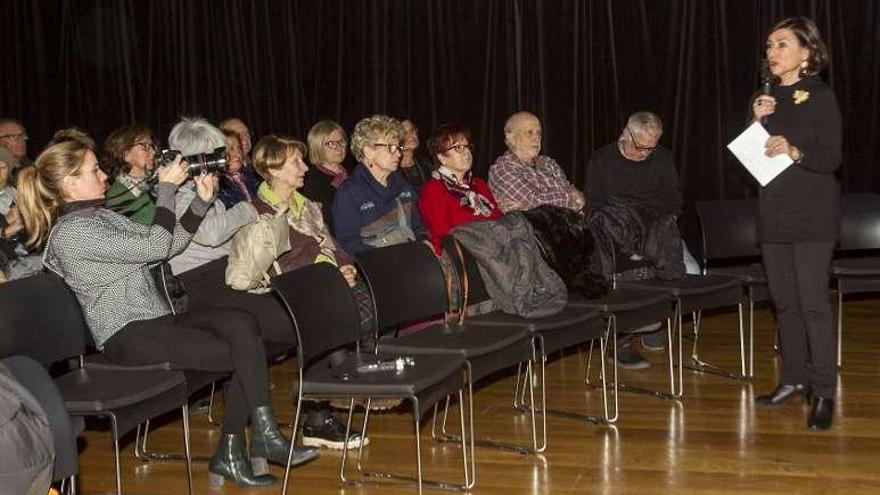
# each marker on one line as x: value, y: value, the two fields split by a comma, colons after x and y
x: 582, y: 66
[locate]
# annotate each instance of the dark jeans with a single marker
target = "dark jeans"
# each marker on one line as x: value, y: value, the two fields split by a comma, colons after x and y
x: 217, y: 340
x: 797, y: 274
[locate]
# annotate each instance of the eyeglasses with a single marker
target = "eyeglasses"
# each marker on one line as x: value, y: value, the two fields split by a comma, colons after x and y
x: 146, y: 146
x: 335, y: 144
x: 643, y: 149
x: 18, y: 136
x: 460, y: 148
x: 391, y: 147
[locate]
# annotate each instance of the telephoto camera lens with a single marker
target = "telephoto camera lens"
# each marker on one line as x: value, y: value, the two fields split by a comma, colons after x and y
x: 212, y: 163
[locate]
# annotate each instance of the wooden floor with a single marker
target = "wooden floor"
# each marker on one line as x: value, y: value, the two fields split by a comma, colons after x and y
x: 713, y: 441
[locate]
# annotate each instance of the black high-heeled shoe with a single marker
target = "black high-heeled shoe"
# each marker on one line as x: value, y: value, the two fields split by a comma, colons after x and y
x: 822, y: 414
x: 268, y: 444
x: 783, y: 393
x: 230, y: 463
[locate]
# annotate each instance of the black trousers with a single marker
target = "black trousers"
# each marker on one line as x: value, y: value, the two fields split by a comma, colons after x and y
x: 206, y: 289
x: 797, y: 274
x: 225, y: 340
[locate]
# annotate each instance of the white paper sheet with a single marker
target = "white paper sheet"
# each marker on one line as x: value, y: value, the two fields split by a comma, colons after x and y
x: 748, y: 148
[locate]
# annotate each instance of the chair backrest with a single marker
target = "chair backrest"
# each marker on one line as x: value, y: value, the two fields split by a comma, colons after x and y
x: 406, y: 282
x: 729, y: 228
x: 477, y: 292
x: 322, y: 307
x: 41, y: 318
x: 860, y: 221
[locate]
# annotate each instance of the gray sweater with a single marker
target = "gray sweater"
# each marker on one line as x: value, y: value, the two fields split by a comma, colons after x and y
x: 214, y: 237
x: 105, y: 258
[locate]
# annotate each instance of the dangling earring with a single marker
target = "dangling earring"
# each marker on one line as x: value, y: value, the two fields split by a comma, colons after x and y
x: 804, y: 66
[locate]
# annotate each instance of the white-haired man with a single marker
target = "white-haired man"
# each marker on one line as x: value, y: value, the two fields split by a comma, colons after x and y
x: 522, y: 178
x: 635, y: 168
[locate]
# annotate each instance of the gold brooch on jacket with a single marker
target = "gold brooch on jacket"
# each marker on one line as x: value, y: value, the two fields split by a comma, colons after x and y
x: 801, y: 96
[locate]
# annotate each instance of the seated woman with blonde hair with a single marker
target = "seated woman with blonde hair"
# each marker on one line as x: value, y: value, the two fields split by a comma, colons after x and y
x: 279, y: 160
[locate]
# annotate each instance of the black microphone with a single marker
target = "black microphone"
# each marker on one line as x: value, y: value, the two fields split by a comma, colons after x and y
x: 766, y: 81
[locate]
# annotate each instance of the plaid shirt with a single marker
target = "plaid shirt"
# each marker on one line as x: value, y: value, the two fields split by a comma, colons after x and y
x: 531, y: 186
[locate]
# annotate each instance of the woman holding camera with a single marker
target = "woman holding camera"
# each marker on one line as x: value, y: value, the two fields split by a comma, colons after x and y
x: 799, y: 213
x: 104, y: 257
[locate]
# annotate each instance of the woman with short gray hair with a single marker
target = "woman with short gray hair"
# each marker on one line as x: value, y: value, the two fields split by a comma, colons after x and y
x: 376, y: 206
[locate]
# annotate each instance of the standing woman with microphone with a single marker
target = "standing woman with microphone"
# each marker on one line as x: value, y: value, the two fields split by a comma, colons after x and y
x: 799, y: 213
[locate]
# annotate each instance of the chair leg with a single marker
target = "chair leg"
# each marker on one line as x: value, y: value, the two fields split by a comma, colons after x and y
x: 418, y: 480
x: 184, y: 411
x: 417, y: 433
x: 742, y: 345
x: 610, y: 333
x: 751, y: 336
x: 296, y: 414
x: 211, y: 406
x: 144, y: 455
x: 839, y: 325
x: 469, y: 476
x: 698, y: 365
x: 114, y: 431
x: 517, y: 402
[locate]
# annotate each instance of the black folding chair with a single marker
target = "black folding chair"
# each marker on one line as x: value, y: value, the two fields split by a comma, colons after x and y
x: 693, y: 294
x: 730, y: 248
x: 42, y: 319
x: 326, y: 320
x: 408, y: 285
x: 856, y: 268
x: 574, y: 325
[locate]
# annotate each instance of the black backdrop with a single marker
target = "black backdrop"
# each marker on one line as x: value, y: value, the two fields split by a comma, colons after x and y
x: 582, y: 66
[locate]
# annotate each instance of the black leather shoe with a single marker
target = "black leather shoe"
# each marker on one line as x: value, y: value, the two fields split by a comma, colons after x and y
x: 230, y: 463
x: 822, y: 414
x: 782, y: 394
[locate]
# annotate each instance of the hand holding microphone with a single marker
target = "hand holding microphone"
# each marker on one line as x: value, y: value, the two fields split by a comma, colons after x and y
x: 764, y: 104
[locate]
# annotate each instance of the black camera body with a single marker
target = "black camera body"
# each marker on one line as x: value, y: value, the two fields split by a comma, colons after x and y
x: 212, y: 163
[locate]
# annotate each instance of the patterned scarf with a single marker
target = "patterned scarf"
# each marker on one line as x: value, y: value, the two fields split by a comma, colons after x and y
x: 135, y: 186
x: 469, y: 199
x: 303, y: 216
x: 337, y: 178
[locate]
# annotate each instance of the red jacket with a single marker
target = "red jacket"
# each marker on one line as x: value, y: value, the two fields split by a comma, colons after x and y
x: 441, y: 210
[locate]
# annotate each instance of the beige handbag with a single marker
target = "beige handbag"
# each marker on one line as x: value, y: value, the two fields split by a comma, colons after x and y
x: 255, y: 249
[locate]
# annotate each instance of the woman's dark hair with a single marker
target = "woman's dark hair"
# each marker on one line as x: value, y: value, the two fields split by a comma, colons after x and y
x: 119, y: 142
x: 443, y: 137
x: 808, y: 36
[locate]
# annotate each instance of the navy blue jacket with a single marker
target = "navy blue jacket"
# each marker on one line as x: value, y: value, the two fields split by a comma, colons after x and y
x: 363, y: 208
x: 231, y: 194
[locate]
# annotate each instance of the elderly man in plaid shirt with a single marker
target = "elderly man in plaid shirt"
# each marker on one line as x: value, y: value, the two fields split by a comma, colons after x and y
x: 522, y: 178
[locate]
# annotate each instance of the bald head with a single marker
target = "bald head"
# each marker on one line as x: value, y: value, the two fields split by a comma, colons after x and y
x: 522, y: 134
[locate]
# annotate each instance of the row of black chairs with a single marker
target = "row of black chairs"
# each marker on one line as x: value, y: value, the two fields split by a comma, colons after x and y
x: 408, y: 285
x: 730, y: 247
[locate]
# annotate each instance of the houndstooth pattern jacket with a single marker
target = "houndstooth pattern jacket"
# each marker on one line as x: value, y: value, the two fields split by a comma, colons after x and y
x: 105, y: 258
